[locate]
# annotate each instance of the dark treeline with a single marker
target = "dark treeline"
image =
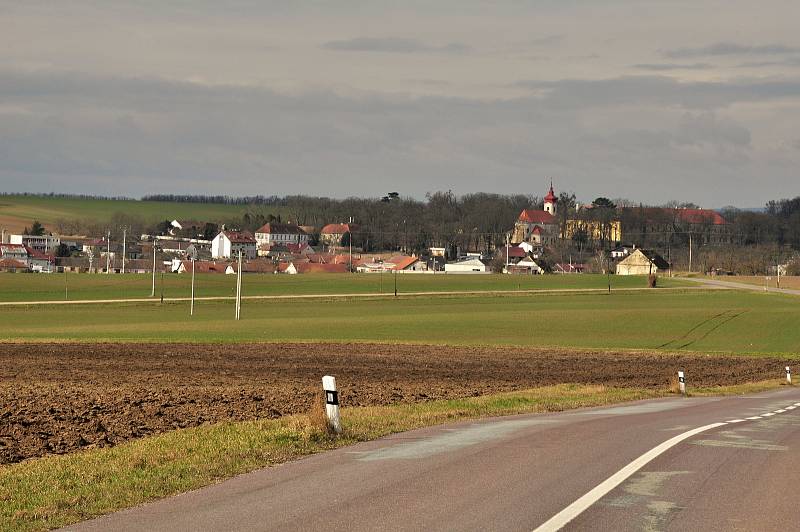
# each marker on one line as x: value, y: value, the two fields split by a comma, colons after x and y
x: 221, y: 200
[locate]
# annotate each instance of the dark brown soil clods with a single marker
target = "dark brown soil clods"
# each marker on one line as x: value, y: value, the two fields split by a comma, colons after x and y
x: 57, y: 398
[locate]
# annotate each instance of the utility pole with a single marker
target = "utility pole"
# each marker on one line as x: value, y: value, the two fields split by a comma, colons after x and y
x: 239, y: 288
x: 690, y: 252
x: 191, y: 308
x: 153, y: 290
x: 350, y: 241
x: 508, y: 241
x: 108, y: 252
x: 124, y: 237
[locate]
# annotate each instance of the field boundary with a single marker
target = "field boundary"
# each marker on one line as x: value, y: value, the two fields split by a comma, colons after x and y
x: 368, y: 295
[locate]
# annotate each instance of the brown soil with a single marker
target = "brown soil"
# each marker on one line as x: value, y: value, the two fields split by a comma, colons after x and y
x: 59, y: 398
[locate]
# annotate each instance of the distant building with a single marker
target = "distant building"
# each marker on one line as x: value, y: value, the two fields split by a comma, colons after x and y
x: 535, y: 227
x: 470, y: 265
x: 642, y: 262
x: 336, y: 234
x: 227, y: 245
x: 272, y: 234
x: 41, y: 243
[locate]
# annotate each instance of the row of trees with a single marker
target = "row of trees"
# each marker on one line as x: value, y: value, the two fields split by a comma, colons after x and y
x: 479, y: 222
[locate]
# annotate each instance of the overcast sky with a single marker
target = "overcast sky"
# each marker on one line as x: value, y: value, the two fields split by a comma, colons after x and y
x: 653, y: 101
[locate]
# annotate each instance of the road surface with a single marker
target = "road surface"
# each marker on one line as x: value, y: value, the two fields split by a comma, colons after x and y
x: 668, y: 464
x: 716, y: 283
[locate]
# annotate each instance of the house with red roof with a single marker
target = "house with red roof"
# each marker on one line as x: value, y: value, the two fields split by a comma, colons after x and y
x: 336, y: 234
x: 12, y: 265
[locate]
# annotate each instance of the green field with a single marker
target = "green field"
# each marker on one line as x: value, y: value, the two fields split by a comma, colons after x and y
x: 38, y: 287
x: 691, y: 320
x: 17, y: 212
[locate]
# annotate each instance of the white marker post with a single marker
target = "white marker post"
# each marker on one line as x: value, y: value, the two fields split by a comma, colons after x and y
x: 682, y: 382
x: 788, y: 375
x: 331, y: 403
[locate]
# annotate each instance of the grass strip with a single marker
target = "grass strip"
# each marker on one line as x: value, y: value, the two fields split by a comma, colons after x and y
x: 55, y: 491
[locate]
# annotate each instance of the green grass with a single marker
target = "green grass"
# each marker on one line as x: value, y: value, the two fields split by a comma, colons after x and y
x: 58, y: 490
x: 693, y: 320
x: 38, y: 287
x: 19, y: 211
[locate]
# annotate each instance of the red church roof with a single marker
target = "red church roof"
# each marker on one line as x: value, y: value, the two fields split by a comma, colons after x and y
x: 551, y: 195
x: 536, y: 217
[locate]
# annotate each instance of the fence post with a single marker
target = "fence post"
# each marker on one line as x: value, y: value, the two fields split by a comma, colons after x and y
x: 788, y: 375
x: 682, y: 382
x: 331, y: 403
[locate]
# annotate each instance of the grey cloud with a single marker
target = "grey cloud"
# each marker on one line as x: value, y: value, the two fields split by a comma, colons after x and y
x: 673, y: 66
x: 789, y: 61
x: 728, y: 48
x: 131, y: 136
x: 393, y: 45
x: 659, y: 90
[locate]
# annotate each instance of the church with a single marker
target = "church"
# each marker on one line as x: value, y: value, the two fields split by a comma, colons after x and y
x: 538, y: 228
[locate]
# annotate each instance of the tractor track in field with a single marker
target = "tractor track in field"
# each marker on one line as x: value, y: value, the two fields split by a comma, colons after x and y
x: 59, y: 398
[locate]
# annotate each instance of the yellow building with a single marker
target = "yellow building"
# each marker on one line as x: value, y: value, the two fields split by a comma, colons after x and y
x: 610, y: 231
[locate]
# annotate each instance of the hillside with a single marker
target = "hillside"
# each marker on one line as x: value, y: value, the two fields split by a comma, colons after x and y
x: 17, y: 211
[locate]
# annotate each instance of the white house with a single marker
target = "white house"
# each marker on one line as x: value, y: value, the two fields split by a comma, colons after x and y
x: 227, y: 245
x: 471, y: 265
x: 273, y: 233
x: 42, y: 243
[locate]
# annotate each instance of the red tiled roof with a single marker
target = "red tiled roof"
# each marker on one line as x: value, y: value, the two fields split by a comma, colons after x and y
x: 8, y: 264
x: 310, y: 267
x: 240, y: 237
x: 514, y: 251
x: 401, y: 262
x: 206, y: 266
x: 537, y: 230
x: 32, y: 253
x: 551, y: 196
x: 689, y: 216
x: 336, y: 229
x: 536, y: 217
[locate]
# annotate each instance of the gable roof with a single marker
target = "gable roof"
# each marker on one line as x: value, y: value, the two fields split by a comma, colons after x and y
x: 12, y: 264
x: 401, y: 262
x: 240, y: 237
x: 689, y: 216
x: 13, y: 249
x: 657, y: 260
x: 311, y: 267
x: 280, y: 229
x: 337, y: 229
x: 536, y: 217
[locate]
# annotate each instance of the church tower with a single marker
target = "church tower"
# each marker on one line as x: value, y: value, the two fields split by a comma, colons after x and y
x: 550, y: 201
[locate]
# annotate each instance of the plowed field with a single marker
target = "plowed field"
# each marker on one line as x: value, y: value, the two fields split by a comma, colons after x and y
x: 58, y: 398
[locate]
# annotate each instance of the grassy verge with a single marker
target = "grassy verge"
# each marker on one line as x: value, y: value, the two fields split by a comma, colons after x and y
x: 58, y: 490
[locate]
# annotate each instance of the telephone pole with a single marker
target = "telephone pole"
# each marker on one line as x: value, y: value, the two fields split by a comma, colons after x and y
x: 124, y: 237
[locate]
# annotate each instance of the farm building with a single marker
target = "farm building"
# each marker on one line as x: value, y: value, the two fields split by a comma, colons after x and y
x: 526, y: 265
x: 642, y: 262
x: 470, y: 265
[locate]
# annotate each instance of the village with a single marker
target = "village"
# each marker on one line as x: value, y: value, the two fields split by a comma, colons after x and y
x: 594, y: 231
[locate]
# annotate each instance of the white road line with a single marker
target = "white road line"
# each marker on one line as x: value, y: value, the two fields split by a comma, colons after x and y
x: 572, y: 511
x: 790, y: 407
x: 576, y: 508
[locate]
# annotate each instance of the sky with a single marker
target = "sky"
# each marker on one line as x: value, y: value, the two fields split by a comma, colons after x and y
x: 695, y: 101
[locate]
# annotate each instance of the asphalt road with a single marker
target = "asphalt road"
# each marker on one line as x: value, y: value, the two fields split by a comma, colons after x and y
x: 518, y: 473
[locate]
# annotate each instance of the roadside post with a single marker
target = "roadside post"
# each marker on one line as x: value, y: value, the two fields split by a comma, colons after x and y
x: 682, y: 382
x: 788, y: 375
x: 331, y: 403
